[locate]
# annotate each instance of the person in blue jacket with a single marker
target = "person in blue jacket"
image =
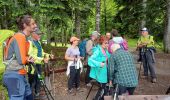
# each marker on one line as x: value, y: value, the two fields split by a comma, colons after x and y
x: 98, y: 62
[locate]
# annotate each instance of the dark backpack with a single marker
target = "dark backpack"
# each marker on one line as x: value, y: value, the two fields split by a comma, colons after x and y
x: 82, y: 47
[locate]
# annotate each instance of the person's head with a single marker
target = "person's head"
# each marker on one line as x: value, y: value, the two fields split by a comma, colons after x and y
x: 114, y: 47
x: 108, y: 35
x: 144, y: 31
x: 36, y: 34
x: 74, y: 40
x: 114, y: 32
x: 103, y: 41
x: 95, y: 35
x: 26, y: 23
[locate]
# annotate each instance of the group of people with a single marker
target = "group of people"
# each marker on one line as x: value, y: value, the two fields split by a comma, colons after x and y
x: 24, y: 57
x: 106, y: 58
x: 109, y: 62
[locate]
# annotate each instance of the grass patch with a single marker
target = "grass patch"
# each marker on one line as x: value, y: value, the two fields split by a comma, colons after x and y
x: 132, y: 43
x: 158, y: 45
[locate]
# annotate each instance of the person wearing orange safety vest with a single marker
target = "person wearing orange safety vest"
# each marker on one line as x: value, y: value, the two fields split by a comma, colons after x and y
x: 17, y: 57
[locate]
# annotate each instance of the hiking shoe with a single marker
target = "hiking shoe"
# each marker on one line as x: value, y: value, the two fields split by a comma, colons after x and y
x: 70, y: 91
x: 78, y: 88
x: 153, y: 80
x: 89, y: 85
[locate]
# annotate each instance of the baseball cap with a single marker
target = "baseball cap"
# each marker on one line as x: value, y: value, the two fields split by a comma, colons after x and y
x: 74, y: 39
x: 95, y: 33
x: 37, y: 31
x: 144, y: 29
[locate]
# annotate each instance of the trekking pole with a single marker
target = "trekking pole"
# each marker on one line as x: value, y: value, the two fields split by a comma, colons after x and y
x: 43, y: 83
x: 139, y: 70
x: 89, y: 91
x: 115, y: 97
x: 168, y: 91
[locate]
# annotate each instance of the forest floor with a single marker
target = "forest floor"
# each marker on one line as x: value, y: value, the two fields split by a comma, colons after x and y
x: 145, y: 86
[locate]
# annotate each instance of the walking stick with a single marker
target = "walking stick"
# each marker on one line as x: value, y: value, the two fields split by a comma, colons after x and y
x: 43, y: 83
x: 89, y: 91
x: 168, y: 91
x: 139, y: 70
x: 116, y: 93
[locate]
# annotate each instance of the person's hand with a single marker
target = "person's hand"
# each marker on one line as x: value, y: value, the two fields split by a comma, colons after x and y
x: 51, y: 56
x: 110, y: 83
x: 102, y: 64
x: 82, y: 58
x: 46, y: 60
x: 75, y: 59
x: 30, y: 59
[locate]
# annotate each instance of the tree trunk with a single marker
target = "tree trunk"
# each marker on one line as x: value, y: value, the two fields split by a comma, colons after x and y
x: 5, y: 18
x: 16, y: 3
x: 167, y: 30
x: 98, y: 15
x: 65, y: 31
x: 77, y: 22
x: 105, y: 20
x: 143, y: 21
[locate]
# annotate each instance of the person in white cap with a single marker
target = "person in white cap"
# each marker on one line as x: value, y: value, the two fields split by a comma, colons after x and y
x: 122, y: 70
x: 146, y: 45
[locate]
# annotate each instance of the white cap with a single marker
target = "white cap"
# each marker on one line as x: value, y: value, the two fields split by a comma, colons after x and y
x: 144, y: 29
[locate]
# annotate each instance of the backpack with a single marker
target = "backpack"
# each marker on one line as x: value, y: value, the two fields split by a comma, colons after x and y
x: 5, y: 36
x: 82, y: 47
x: 123, y: 45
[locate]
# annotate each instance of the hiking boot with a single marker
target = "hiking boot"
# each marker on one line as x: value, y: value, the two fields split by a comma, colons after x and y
x: 78, y: 88
x: 70, y: 91
x: 153, y: 80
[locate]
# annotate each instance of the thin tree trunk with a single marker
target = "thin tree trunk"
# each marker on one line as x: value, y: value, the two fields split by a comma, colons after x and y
x: 98, y: 15
x: 16, y: 3
x: 65, y: 37
x: 143, y: 21
x: 105, y: 20
x: 167, y: 30
x: 5, y: 18
x: 77, y: 23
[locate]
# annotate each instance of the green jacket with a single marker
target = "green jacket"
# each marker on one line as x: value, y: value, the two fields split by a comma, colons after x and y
x: 148, y: 39
x: 33, y: 51
x: 97, y: 72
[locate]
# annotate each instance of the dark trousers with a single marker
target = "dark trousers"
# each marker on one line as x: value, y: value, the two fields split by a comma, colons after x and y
x: 101, y: 92
x: 148, y: 64
x: 87, y: 77
x: 36, y: 80
x: 74, y: 77
x: 31, y: 80
x: 123, y: 89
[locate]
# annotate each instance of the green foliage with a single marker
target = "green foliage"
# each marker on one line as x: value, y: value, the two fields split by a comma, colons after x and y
x: 57, y: 18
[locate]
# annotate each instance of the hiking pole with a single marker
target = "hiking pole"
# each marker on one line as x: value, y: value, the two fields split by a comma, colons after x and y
x: 43, y: 83
x: 139, y: 70
x: 89, y: 91
x: 46, y: 90
x: 115, y: 97
x: 168, y: 91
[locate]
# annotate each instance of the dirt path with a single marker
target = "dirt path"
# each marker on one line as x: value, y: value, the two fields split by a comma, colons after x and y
x: 145, y: 87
